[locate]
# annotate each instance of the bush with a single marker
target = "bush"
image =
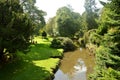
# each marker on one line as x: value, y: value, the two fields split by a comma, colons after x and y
x: 56, y: 43
x: 44, y: 34
x: 68, y: 45
x: 62, y: 42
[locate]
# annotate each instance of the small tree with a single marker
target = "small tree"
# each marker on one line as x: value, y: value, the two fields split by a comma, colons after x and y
x: 44, y: 34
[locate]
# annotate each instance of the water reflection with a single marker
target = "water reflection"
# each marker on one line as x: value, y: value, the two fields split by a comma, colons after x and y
x: 79, y: 75
x: 61, y: 76
x: 79, y: 72
x: 75, y: 66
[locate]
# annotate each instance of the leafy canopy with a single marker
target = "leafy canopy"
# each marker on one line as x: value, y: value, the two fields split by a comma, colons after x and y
x: 15, y: 27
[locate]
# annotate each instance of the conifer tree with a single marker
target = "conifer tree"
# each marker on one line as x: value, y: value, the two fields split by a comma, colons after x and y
x: 108, y: 53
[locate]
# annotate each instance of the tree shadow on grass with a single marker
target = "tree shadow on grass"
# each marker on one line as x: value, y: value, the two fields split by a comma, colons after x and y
x: 23, y: 67
x: 23, y: 70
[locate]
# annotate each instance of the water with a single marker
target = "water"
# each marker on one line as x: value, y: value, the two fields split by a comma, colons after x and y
x: 75, y: 65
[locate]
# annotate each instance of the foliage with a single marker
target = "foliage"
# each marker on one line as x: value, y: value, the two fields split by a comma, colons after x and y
x: 79, y: 34
x: 81, y: 42
x: 90, y: 23
x: 94, y: 38
x: 51, y: 27
x: 87, y: 36
x: 68, y: 45
x: 36, y: 15
x: 44, y: 34
x: 68, y: 22
x: 108, y: 74
x: 90, y: 15
x: 108, y: 52
x: 105, y: 60
x: 63, y: 42
x: 90, y: 37
x: 56, y: 43
x: 112, y: 39
x: 90, y: 5
x: 15, y: 27
x: 109, y: 17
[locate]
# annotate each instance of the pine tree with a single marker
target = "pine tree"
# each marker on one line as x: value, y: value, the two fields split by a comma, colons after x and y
x: 108, y: 53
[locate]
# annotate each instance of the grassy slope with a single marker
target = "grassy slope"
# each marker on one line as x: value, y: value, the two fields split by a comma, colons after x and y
x: 34, y: 65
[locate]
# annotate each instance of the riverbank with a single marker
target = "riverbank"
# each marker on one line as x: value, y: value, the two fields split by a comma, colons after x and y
x: 39, y: 63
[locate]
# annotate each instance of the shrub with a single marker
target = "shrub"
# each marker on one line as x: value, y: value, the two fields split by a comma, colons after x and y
x: 56, y: 43
x: 44, y: 34
x: 68, y: 45
x: 62, y: 42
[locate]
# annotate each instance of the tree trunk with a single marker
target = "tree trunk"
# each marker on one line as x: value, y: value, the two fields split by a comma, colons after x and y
x: 1, y: 53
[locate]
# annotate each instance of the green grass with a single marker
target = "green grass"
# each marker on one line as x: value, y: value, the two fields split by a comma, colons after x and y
x: 36, y: 64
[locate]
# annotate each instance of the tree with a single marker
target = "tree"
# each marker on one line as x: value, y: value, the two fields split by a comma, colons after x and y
x: 108, y: 52
x: 51, y: 27
x: 109, y: 17
x: 90, y: 14
x: 44, y: 34
x: 36, y: 15
x: 110, y: 25
x: 68, y: 22
x: 15, y: 27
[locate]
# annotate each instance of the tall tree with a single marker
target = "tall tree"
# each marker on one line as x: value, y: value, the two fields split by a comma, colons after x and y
x: 34, y: 13
x: 90, y: 14
x: 51, y: 27
x: 68, y: 22
x: 15, y: 27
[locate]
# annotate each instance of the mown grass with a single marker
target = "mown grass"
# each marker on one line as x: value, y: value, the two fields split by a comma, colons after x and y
x: 36, y: 64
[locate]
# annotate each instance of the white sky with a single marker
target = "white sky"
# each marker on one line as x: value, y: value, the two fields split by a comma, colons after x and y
x: 51, y: 6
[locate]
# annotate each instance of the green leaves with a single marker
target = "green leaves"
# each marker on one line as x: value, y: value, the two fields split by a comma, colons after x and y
x: 90, y: 15
x: 108, y: 53
x: 15, y: 27
x: 36, y: 15
x: 68, y: 22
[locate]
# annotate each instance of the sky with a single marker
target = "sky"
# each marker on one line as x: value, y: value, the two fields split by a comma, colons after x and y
x: 51, y: 6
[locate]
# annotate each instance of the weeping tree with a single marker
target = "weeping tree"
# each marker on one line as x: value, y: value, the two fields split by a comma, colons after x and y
x: 15, y: 27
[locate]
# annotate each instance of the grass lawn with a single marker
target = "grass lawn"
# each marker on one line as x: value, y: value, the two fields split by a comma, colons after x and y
x: 36, y: 64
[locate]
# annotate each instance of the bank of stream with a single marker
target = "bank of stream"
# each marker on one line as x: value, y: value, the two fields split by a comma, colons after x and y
x: 76, y: 65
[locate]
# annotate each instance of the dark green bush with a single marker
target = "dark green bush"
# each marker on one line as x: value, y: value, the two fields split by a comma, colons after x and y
x: 63, y: 42
x: 56, y: 43
x: 68, y: 45
x: 44, y: 34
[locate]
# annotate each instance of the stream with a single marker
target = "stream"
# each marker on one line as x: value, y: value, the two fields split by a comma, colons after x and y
x: 76, y: 65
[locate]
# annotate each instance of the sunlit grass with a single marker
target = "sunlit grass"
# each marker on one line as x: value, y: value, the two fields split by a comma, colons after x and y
x: 37, y: 64
x: 49, y: 64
